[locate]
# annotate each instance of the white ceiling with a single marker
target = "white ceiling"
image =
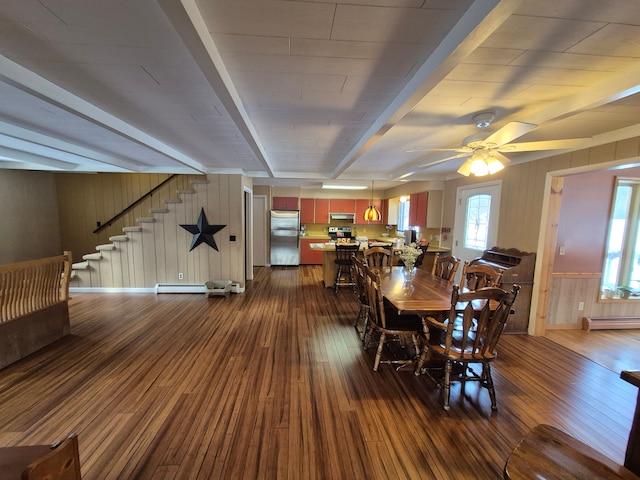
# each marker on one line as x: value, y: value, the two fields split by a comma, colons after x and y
x: 296, y: 92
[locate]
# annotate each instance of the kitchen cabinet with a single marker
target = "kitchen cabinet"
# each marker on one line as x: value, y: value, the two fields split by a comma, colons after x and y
x: 307, y: 210
x: 308, y: 256
x: 322, y: 210
x: 418, y: 209
x: 342, y: 205
x: 285, y: 203
x: 434, y: 209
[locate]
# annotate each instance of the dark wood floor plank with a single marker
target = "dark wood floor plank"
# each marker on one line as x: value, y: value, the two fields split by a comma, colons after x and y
x: 274, y: 384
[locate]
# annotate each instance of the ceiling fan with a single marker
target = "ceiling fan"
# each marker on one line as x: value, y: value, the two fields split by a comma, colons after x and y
x: 486, y: 152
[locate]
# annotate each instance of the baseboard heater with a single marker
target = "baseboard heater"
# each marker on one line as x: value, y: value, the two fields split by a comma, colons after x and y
x: 180, y: 288
x: 610, y: 323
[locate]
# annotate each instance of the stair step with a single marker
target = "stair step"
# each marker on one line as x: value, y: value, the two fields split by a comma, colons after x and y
x: 106, y: 246
x: 146, y: 219
x: 186, y: 191
x: 199, y: 181
x: 158, y: 210
x: 132, y: 229
x: 172, y: 200
x: 80, y: 266
x: 92, y: 256
x: 119, y: 238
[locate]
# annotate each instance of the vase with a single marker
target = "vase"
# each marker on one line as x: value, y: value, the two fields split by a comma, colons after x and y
x: 409, y: 270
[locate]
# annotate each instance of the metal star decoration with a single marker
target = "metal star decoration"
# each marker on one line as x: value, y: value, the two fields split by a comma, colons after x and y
x: 203, y: 232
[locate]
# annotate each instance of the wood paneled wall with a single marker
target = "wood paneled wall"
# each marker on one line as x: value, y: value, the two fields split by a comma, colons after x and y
x: 29, y: 211
x: 160, y: 251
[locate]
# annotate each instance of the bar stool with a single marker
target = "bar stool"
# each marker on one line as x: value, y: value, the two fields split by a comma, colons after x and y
x: 344, y: 272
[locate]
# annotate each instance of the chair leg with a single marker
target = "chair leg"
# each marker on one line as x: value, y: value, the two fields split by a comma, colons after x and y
x: 376, y: 362
x: 488, y: 381
x: 416, y: 345
x: 446, y: 384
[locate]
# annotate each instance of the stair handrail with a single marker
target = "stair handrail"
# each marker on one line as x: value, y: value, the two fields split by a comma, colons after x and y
x: 126, y: 209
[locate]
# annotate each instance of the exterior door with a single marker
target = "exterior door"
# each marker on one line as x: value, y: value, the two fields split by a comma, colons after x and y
x: 476, y: 220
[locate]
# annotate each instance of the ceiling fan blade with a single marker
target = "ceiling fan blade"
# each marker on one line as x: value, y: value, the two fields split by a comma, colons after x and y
x: 544, y: 145
x: 504, y: 159
x: 510, y: 131
x: 433, y: 161
x: 461, y: 150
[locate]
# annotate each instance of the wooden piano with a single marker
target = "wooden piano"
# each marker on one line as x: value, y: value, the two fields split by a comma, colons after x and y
x: 517, y: 268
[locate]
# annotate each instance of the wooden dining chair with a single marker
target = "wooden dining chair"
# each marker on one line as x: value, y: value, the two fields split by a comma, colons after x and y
x: 385, y: 321
x: 480, y: 276
x: 60, y: 461
x: 445, y: 266
x: 378, y: 257
x: 470, y: 336
x: 362, y: 319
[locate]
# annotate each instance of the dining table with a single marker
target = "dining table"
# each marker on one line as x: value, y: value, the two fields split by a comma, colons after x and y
x: 418, y: 292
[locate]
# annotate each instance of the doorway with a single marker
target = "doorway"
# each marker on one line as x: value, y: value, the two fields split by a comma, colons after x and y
x: 260, y: 231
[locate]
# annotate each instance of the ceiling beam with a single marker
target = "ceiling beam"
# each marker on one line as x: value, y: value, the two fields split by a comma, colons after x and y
x: 187, y: 20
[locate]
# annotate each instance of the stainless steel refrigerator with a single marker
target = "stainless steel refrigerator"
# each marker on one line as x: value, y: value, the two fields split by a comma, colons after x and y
x: 285, y: 231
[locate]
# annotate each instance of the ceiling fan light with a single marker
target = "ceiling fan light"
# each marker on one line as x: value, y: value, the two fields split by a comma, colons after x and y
x: 479, y: 167
x: 465, y: 168
x: 494, y: 165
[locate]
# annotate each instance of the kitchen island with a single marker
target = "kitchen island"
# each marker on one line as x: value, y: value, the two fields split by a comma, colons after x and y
x: 329, y: 257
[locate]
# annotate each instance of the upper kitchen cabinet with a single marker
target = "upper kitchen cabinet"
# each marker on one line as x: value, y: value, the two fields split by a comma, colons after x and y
x: 342, y: 205
x: 307, y: 210
x: 418, y: 209
x: 314, y: 210
x: 322, y: 210
x: 434, y: 209
x: 285, y: 203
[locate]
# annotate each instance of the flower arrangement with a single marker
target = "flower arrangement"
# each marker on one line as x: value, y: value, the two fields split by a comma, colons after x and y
x: 410, y: 254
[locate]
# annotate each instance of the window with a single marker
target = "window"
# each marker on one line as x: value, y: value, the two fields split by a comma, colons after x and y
x: 621, y: 272
x: 476, y: 230
x: 403, y: 216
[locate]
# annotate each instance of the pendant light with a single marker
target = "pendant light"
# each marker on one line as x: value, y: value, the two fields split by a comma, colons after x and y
x: 372, y: 214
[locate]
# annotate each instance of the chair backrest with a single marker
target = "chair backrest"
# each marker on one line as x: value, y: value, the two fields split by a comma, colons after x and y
x: 376, y: 302
x: 361, y: 285
x: 378, y: 257
x: 479, y: 276
x: 445, y: 266
x: 61, y: 463
x: 476, y: 322
x: 345, y: 251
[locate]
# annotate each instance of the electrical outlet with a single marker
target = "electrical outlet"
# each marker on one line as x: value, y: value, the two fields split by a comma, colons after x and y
x: 561, y: 251
x: 580, y: 306
x: 180, y: 276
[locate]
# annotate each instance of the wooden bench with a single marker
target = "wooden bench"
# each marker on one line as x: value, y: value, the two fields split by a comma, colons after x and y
x: 33, y: 305
x: 549, y: 453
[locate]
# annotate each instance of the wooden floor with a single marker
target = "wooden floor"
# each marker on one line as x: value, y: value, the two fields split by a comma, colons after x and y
x: 274, y: 384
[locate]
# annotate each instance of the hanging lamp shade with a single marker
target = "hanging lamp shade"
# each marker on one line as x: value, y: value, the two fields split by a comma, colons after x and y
x: 372, y: 214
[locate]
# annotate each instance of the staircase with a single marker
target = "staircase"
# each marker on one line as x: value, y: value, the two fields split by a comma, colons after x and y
x: 138, y: 258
